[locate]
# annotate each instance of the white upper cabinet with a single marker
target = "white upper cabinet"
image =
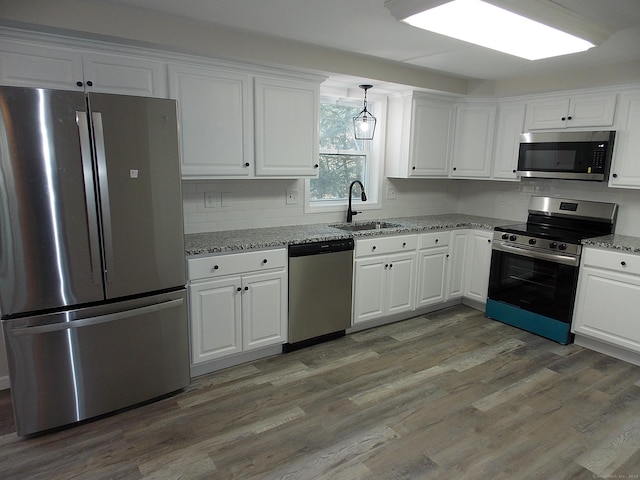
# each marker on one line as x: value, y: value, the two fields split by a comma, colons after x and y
x: 509, y: 127
x: 34, y: 65
x: 625, y: 171
x: 286, y: 123
x: 215, y: 110
x: 585, y: 110
x: 419, y: 136
x: 473, y: 140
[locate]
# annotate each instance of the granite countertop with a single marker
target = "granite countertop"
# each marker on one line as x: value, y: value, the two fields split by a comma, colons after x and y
x: 232, y: 240
x: 615, y: 242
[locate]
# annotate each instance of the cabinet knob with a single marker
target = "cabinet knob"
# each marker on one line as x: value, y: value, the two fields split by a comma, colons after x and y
x: 239, y: 289
x: 413, y: 168
x: 514, y: 171
x: 615, y: 175
x: 246, y: 288
x: 373, y: 248
x: 447, y: 255
x: 79, y: 84
x: 404, y: 244
x: 454, y: 169
x: 89, y: 83
x: 569, y: 118
x: 264, y: 261
x: 391, y: 265
x: 437, y: 240
x: 246, y: 164
x: 215, y: 267
x: 386, y: 265
x: 316, y: 166
x: 489, y: 240
x: 563, y: 118
x: 624, y: 264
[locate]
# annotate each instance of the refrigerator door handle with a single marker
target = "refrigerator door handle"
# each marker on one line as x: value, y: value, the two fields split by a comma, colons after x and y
x: 90, y: 194
x: 85, y: 322
x: 101, y: 158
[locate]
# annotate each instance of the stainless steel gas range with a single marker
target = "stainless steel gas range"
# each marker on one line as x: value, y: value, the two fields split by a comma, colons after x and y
x: 534, y: 266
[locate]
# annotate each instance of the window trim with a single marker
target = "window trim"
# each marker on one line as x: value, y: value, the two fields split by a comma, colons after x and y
x: 375, y: 159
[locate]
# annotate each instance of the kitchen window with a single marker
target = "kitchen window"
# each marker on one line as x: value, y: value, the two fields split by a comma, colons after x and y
x: 343, y: 159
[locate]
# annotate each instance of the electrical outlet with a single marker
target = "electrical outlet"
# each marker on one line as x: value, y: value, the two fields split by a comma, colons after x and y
x: 391, y: 193
x: 292, y: 197
x: 209, y: 199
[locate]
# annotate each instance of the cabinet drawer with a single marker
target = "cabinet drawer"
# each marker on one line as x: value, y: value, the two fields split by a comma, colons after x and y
x: 435, y: 239
x: 385, y: 245
x: 612, y: 260
x: 235, y: 263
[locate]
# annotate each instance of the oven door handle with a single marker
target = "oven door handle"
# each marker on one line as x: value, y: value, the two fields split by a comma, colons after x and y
x: 526, y: 252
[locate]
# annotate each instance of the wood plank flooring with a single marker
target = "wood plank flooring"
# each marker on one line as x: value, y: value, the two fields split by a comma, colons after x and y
x: 447, y: 395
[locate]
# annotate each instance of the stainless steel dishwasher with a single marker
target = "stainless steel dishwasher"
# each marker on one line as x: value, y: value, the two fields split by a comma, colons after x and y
x: 320, y: 280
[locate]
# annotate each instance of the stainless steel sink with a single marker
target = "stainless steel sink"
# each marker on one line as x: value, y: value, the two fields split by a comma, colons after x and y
x: 361, y: 226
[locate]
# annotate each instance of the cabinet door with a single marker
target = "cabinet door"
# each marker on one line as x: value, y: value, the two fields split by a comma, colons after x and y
x: 30, y: 65
x: 473, y: 148
x: 431, y: 129
x: 369, y: 289
x: 432, y: 267
x: 286, y: 122
x: 124, y: 75
x: 510, y: 126
x: 457, y: 265
x: 606, y: 307
x: 625, y: 171
x: 478, y: 265
x: 216, y: 329
x: 400, y: 290
x: 591, y: 110
x: 547, y: 113
x: 264, y: 309
x: 216, y: 121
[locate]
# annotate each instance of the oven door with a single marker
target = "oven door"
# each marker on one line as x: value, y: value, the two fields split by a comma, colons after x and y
x: 533, y: 281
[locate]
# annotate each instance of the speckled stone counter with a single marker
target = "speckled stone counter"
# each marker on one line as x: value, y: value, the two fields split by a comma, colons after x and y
x: 615, y: 242
x: 230, y: 240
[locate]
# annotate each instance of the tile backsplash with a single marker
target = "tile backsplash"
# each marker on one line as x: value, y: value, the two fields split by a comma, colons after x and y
x: 238, y: 204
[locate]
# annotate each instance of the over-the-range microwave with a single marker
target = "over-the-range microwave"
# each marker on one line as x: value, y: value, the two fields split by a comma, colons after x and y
x: 566, y: 155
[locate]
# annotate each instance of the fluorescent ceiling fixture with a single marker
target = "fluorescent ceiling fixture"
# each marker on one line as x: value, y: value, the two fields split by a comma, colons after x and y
x: 489, y: 26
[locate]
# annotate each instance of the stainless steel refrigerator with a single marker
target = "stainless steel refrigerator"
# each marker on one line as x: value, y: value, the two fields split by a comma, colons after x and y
x: 92, y: 271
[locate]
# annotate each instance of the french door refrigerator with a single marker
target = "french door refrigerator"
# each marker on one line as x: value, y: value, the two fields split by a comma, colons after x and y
x: 92, y: 275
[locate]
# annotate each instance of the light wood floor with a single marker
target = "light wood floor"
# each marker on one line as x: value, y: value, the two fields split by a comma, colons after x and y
x: 446, y: 396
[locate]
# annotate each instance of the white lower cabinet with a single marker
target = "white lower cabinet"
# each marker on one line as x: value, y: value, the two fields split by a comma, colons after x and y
x: 238, y: 302
x: 607, y: 298
x: 478, y: 264
x: 457, y: 263
x: 433, y: 263
x: 384, y: 277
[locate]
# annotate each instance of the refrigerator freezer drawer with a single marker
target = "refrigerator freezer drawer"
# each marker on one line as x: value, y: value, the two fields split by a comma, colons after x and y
x: 78, y: 364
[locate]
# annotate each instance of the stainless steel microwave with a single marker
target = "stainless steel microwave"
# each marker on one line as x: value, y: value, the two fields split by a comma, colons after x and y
x: 566, y: 155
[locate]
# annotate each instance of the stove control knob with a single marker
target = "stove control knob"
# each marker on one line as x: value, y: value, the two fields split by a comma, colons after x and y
x: 553, y: 245
x: 562, y: 246
x: 505, y: 236
x: 513, y: 238
x: 532, y: 241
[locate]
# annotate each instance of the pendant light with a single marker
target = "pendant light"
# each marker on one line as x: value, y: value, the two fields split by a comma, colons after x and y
x: 364, y: 124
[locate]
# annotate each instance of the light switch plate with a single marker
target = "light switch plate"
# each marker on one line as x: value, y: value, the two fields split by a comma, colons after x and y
x: 292, y: 197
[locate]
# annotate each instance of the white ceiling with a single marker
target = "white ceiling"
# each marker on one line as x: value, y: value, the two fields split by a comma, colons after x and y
x: 367, y: 27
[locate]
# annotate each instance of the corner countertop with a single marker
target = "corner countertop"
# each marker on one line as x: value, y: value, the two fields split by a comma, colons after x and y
x: 233, y: 240
x: 623, y: 243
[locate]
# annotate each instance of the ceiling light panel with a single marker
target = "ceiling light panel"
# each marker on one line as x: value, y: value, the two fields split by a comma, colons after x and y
x: 483, y: 24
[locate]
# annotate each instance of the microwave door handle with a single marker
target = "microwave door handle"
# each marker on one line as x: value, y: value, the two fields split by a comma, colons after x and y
x: 105, y: 208
x: 525, y: 252
x: 82, y: 122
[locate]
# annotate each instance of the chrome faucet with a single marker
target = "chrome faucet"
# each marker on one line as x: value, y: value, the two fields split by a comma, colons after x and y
x: 363, y: 197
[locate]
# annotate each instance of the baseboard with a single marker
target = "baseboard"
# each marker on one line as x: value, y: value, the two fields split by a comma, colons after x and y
x: 607, y: 349
x: 4, y: 383
x: 234, y: 360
